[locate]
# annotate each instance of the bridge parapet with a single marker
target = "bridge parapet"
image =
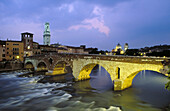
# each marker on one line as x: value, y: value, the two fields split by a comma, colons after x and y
x: 132, y: 59
x: 82, y: 65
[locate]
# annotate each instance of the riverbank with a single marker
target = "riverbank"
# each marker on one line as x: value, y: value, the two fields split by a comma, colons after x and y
x: 6, y: 66
x: 29, y: 90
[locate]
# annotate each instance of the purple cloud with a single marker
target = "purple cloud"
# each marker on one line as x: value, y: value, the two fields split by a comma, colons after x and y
x: 93, y: 23
x: 138, y: 22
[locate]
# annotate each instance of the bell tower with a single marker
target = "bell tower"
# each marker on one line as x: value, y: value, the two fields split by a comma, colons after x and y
x: 46, y: 35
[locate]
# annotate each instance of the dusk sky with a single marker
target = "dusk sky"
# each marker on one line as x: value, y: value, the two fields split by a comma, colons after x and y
x: 94, y: 23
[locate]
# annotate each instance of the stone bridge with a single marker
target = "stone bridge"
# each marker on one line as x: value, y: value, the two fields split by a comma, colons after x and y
x: 122, y: 69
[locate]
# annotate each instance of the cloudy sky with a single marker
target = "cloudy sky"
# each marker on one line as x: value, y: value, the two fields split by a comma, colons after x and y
x: 95, y: 23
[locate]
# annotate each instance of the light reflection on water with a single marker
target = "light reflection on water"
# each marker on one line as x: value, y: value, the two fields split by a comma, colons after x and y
x: 100, y: 79
x: 150, y: 86
x: 147, y: 92
x: 56, y: 93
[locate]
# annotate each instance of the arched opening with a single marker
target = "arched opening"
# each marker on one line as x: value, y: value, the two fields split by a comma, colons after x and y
x: 42, y: 67
x: 50, y: 61
x: 85, y: 72
x: 100, y: 79
x: 128, y: 81
x: 118, y: 72
x: 147, y: 76
x: 29, y: 66
x: 150, y: 87
x: 96, y: 77
x: 62, y: 67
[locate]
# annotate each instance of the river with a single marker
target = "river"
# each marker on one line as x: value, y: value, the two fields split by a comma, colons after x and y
x: 60, y: 93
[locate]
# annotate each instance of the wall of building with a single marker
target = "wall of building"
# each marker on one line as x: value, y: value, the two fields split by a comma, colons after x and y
x: 62, y: 51
x: 2, y: 52
x: 36, y: 51
x: 14, y: 50
x: 27, y: 39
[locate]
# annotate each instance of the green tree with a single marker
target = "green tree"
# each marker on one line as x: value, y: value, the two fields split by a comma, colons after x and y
x: 94, y: 51
x: 167, y: 85
x: 132, y: 52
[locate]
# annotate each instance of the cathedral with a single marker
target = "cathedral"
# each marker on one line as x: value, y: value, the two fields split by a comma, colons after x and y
x: 118, y: 50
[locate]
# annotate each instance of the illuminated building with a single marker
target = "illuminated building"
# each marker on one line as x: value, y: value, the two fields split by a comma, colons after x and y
x: 14, y: 50
x: 71, y: 49
x: 36, y: 49
x: 46, y: 35
x: 2, y: 50
x: 45, y: 49
x: 118, y: 50
x: 27, y: 39
x: 126, y: 46
x: 118, y: 47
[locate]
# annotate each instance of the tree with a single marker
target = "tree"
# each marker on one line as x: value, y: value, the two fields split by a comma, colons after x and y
x: 132, y: 52
x: 94, y: 51
x: 167, y: 85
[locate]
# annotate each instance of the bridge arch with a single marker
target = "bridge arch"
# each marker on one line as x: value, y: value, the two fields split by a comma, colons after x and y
x: 61, y: 67
x: 86, y: 70
x: 127, y: 82
x: 7, y: 65
x: 42, y: 66
x: 29, y: 65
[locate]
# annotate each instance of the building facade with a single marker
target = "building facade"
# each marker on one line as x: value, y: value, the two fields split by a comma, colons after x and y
x: 71, y: 49
x: 118, y: 50
x: 46, y: 35
x: 36, y: 49
x: 45, y: 49
x: 2, y: 50
x: 126, y: 46
x: 14, y: 50
x: 27, y: 39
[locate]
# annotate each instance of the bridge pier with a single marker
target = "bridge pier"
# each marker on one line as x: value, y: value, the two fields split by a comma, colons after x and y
x: 35, y: 68
x: 50, y: 72
x: 117, y: 85
x: 122, y: 69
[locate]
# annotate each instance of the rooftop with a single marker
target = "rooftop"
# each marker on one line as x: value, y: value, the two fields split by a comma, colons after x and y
x: 27, y: 33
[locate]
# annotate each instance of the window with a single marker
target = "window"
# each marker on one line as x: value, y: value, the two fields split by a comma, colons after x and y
x: 15, y: 53
x: 3, y: 55
x: 7, y: 43
x: 28, y: 40
x: 15, y: 49
x: 28, y: 47
x: 15, y: 44
x: 7, y: 52
x: 7, y: 48
x: 3, y: 50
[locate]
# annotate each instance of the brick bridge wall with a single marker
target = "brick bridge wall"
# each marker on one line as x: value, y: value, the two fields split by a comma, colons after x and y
x: 122, y: 69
